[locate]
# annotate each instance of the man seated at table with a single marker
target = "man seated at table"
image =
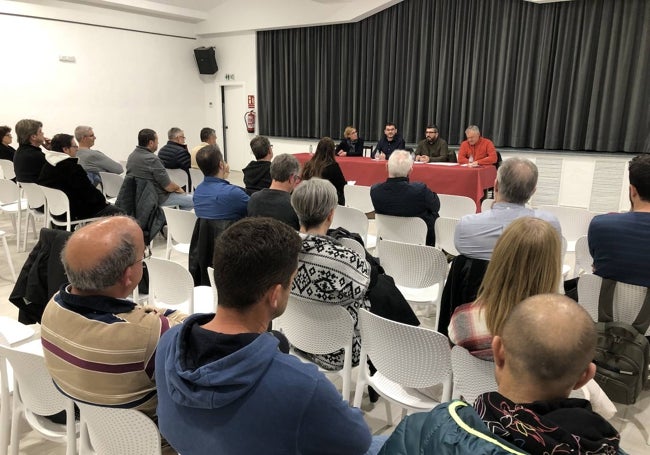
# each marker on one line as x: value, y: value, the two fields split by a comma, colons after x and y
x: 515, y: 184
x: 399, y: 197
x: 544, y: 352
x: 476, y: 150
x: 391, y: 141
x: 432, y: 148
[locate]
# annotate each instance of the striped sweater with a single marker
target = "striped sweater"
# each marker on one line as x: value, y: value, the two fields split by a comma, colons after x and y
x: 101, y: 350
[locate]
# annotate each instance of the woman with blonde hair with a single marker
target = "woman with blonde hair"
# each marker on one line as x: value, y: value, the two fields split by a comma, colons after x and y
x: 351, y: 145
x: 526, y: 261
x: 323, y: 165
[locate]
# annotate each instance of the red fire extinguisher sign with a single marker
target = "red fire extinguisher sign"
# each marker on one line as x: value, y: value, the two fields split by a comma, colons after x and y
x: 251, y: 101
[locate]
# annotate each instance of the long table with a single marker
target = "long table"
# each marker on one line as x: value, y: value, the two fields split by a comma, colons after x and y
x: 443, y: 179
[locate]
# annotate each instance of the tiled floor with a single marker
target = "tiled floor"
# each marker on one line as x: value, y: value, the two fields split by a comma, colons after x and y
x: 632, y: 421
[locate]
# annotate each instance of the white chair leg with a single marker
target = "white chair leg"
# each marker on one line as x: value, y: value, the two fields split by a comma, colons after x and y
x: 71, y: 431
x: 5, y: 409
x: 11, y: 265
x: 16, y: 412
x: 389, y: 413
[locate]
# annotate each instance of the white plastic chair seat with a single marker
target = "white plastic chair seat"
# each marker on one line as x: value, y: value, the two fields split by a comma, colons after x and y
x: 402, y: 396
x: 420, y: 295
x: 13, y: 331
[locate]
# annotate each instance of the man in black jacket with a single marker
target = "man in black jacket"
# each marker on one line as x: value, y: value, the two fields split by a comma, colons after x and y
x: 257, y: 174
x: 29, y: 158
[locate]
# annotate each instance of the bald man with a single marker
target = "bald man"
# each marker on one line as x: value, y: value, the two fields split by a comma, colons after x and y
x: 544, y: 353
x: 99, y: 347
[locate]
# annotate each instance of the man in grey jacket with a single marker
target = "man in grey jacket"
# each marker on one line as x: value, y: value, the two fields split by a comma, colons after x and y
x: 93, y: 161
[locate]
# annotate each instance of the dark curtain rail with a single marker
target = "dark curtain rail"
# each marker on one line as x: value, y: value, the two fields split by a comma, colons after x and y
x: 570, y: 75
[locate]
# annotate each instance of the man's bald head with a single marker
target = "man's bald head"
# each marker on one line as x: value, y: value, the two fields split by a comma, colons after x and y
x: 549, y: 340
x: 97, y: 255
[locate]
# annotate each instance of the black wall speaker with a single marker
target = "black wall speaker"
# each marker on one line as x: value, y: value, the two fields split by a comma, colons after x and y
x: 205, y: 60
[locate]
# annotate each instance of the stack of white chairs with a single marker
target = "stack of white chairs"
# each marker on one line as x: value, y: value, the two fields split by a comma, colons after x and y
x: 408, y: 359
x: 319, y: 328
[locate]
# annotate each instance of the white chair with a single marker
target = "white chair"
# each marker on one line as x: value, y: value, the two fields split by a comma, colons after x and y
x: 486, y: 205
x: 584, y: 262
x: 197, y: 177
x: 358, y: 197
x: 111, y: 184
x: 408, y: 359
x: 419, y: 271
x: 354, y: 220
x: 12, y: 332
x: 472, y: 376
x: 180, y: 225
x: 116, y: 431
x: 445, y: 229
x: 628, y: 298
x: 172, y: 286
x: 320, y: 329
x: 35, y: 201
x: 9, y: 261
x: 11, y: 203
x: 35, y: 395
x: 7, y: 167
x: 453, y: 206
x: 407, y: 229
x: 57, y: 205
x: 179, y: 176
x: 573, y: 220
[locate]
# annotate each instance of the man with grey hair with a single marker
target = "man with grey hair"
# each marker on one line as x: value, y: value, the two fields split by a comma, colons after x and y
x: 93, y: 161
x: 275, y: 201
x: 174, y: 154
x: 99, y: 347
x: 399, y: 197
x: 515, y: 184
x: 476, y: 150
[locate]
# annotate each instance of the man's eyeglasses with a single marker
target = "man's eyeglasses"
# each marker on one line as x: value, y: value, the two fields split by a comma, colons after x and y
x: 145, y: 256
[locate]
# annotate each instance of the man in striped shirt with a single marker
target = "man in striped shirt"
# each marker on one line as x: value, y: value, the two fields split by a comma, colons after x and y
x: 99, y: 346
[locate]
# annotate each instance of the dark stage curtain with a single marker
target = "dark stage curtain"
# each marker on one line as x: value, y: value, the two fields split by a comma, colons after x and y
x: 567, y: 76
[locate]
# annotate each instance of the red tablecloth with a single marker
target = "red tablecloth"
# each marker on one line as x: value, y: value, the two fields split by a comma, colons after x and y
x: 460, y: 180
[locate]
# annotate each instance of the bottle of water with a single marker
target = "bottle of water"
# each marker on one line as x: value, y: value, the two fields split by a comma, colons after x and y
x: 311, y: 149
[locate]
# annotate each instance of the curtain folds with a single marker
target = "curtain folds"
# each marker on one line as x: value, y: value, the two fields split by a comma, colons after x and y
x: 568, y: 76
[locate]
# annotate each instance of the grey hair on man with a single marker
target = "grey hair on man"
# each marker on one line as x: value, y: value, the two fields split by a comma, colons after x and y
x: 474, y: 128
x: 82, y: 131
x: 284, y: 166
x: 174, y: 132
x: 517, y: 180
x: 104, y: 273
x: 400, y: 164
x: 313, y: 200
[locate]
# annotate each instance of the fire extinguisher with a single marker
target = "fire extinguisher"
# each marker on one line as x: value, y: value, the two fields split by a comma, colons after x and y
x: 249, y: 120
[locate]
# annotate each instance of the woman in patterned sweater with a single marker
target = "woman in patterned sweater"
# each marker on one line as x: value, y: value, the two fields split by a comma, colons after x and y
x: 327, y: 271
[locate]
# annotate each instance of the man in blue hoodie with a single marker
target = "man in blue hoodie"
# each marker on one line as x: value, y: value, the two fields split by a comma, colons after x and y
x: 223, y: 384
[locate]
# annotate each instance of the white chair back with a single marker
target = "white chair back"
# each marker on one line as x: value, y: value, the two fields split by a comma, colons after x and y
x: 352, y: 219
x: 486, y: 205
x: 584, y: 262
x: 117, y: 431
x: 172, y: 286
x: 11, y: 203
x: 453, y: 206
x: 445, y: 229
x: 180, y: 225
x: 111, y: 184
x: 573, y: 220
x: 472, y: 376
x: 358, y: 197
x: 319, y: 328
x: 179, y: 176
x: 407, y: 229
x: 35, y: 200
x: 57, y: 205
x: 7, y: 167
x: 408, y: 359
x: 197, y: 177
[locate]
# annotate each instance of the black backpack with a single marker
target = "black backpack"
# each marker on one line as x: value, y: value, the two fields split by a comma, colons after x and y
x: 622, y: 352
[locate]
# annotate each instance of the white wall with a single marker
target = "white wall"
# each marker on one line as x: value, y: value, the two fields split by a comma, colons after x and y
x: 122, y: 81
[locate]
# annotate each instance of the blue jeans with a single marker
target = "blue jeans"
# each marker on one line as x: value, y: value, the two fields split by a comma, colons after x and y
x: 376, y: 444
x: 182, y: 200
